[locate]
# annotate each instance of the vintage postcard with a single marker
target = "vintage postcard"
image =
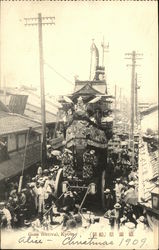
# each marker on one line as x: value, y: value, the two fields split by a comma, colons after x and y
x: 79, y: 125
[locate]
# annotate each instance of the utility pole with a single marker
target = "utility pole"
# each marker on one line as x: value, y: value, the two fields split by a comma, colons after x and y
x: 115, y: 105
x: 105, y: 48
x: 120, y: 100
x: 90, y: 74
x: 40, y: 21
x: 136, y: 98
x: 4, y: 89
x: 133, y: 57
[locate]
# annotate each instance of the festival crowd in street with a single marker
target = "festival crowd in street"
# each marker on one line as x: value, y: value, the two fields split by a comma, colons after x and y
x: 37, y: 204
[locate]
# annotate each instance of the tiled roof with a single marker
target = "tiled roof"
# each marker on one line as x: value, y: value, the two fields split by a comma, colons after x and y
x: 86, y: 89
x: 34, y: 113
x: 10, y: 123
x: 33, y: 105
x: 51, y: 104
x: 99, y: 86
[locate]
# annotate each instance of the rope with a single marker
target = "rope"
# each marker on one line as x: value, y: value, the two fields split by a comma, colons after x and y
x: 55, y: 203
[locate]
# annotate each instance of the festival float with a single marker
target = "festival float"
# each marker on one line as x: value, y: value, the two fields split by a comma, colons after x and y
x: 87, y: 130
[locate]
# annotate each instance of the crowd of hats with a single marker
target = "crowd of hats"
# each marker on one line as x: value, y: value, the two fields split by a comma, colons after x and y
x: 122, y: 191
x: 119, y: 170
x: 125, y: 214
x: 21, y: 205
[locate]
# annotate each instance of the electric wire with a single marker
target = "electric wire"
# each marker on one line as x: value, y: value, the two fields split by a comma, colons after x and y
x: 51, y: 67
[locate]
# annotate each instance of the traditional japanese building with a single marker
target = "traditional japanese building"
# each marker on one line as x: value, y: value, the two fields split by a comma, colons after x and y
x: 20, y: 143
x: 27, y: 102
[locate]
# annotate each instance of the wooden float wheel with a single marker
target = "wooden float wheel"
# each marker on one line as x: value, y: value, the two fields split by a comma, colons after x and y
x: 58, y: 183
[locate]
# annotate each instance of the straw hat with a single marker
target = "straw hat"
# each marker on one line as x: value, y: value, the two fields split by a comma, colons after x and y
x: 117, y: 206
x: 2, y: 203
x: 69, y: 193
x: 125, y: 182
x: 14, y: 191
x: 107, y: 191
x: 52, y: 170
x: 45, y: 171
x: 67, y: 150
x: 131, y: 183
x: 141, y: 219
x: 117, y: 179
x: 92, y: 152
x: 32, y: 184
x: 27, y: 223
x: 56, y: 167
x: 48, y: 146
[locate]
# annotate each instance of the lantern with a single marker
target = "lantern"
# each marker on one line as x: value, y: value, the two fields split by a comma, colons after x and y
x: 64, y: 186
x: 92, y: 188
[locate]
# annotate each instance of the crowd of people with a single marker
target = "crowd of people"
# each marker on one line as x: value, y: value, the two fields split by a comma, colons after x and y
x: 29, y: 202
x: 122, y: 190
x: 37, y: 202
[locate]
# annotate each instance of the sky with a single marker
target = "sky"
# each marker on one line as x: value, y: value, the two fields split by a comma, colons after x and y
x: 127, y: 26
